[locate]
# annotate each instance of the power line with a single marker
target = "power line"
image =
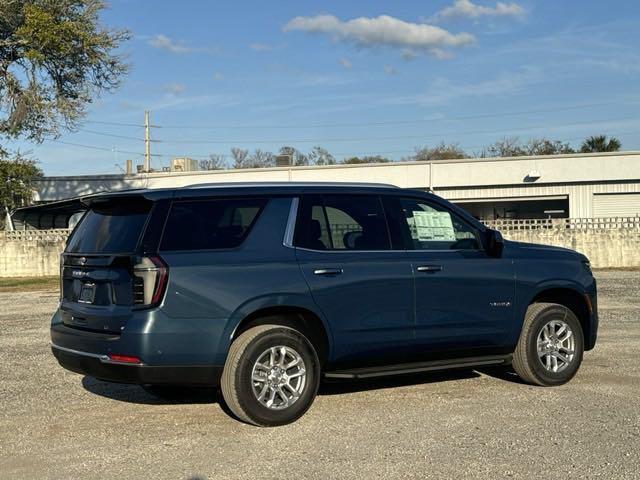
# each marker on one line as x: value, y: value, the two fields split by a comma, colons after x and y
x: 399, y: 137
x: 371, y: 124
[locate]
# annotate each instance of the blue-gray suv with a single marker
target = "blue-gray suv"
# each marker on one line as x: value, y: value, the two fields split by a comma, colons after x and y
x: 264, y: 289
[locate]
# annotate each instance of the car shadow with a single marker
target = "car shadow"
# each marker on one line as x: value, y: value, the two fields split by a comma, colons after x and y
x: 199, y: 395
x: 502, y: 372
x: 340, y: 386
x: 124, y: 392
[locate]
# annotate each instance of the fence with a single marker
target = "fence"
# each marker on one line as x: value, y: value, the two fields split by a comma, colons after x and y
x: 507, y: 225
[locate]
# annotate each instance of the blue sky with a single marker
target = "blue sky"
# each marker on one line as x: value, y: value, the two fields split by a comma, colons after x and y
x: 359, y: 77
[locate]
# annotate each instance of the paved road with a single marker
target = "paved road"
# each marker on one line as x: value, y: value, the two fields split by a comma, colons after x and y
x: 58, y: 425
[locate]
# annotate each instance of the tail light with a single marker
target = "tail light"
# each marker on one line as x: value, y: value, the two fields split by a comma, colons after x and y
x: 149, y: 281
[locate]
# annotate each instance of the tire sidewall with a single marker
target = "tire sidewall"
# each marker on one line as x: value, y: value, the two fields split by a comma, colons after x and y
x: 554, y: 312
x: 246, y: 398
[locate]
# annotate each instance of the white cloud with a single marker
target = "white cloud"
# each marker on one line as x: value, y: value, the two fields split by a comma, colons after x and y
x: 468, y: 9
x: 175, y: 88
x: 260, y: 47
x: 389, y: 70
x: 162, y: 42
x: 442, y: 91
x: 345, y: 63
x: 218, y: 76
x: 382, y: 31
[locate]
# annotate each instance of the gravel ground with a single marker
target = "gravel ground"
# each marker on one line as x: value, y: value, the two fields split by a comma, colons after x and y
x: 56, y: 424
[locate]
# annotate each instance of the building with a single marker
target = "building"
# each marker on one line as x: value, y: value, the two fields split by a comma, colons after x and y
x: 554, y: 186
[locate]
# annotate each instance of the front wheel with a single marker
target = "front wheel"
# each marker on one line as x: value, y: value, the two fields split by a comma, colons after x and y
x: 271, y: 375
x: 551, y: 345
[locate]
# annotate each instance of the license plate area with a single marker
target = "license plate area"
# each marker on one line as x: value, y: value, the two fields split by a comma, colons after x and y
x: 87, y: 293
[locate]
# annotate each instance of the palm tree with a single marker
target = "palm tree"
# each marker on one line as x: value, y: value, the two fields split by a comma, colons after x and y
x: 600, y: 143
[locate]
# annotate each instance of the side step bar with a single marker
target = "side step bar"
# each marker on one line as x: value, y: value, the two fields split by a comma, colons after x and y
x: 401, y: 369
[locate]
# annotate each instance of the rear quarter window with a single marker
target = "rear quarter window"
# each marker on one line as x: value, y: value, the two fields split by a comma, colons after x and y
x: 112, y: 228
x: 210, y: 224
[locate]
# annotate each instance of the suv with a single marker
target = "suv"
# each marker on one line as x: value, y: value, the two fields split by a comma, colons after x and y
x: 264, y: 289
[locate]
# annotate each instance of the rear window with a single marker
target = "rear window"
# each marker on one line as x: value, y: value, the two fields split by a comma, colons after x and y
x: 210, y: 224
x: 113, y: 228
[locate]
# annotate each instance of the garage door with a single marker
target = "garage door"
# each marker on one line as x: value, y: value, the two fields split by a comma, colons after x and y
x: 616, y: 205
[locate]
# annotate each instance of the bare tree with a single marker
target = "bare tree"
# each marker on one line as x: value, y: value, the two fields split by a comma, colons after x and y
x: 366, y: 159
x: 506, y: 147
x: 240, y: 157
x: 320, y: 156
x: 216, y: 161
x: 260, y: 159
x: 441, y: 151
x: 544, y: 146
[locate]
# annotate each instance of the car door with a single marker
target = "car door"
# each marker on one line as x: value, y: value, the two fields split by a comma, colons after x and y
x: 363, y: 287
x: 464, y: 297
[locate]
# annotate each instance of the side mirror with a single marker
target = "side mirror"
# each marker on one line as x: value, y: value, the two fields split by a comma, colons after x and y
x: 494, y: 243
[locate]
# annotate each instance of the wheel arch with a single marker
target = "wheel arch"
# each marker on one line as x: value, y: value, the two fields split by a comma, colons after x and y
x: 301, y: 318
x: 573, y: 299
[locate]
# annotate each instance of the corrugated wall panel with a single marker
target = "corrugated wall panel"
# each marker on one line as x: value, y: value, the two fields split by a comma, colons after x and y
x: 616, y: 205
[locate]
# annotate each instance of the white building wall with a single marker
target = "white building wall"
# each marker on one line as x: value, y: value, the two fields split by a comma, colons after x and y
x: 578, y: 176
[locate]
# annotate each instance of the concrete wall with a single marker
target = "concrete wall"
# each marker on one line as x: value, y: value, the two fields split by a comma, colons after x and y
x: 604, y: 248
x: 31, y: 253
x: 36, y: 252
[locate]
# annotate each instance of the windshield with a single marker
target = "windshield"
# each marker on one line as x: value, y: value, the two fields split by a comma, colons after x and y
x: 109, y: 229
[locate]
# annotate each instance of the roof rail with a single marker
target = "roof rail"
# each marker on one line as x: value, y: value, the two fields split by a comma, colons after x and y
x: 288, y: 184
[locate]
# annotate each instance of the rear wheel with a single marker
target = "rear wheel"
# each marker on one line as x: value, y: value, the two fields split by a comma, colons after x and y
x: 551, y: 345
x: 271, y: 375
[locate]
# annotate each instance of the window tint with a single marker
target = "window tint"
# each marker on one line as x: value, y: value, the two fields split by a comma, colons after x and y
x: 345, y: 223
x: 432, y: 227
x: 113, y: 228
x: 209, y: 224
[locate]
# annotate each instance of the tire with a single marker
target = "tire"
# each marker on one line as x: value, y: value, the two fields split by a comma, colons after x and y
x: 240, y: 391
x: 531, y: 364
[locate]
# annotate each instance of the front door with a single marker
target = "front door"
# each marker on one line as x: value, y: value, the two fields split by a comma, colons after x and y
x: 464, y: 297
x: 363, y: 287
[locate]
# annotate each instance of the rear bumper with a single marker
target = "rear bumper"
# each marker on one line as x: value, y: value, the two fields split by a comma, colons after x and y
x: 101, y: 367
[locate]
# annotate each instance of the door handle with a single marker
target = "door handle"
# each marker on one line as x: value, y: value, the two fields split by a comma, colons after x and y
x: 327, y: 271
x: 429, y: 268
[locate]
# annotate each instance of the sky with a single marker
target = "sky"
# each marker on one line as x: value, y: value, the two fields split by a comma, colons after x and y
x: 358, y: 78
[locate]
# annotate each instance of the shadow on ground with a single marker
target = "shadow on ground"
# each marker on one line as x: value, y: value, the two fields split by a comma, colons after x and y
x: 192, y: 395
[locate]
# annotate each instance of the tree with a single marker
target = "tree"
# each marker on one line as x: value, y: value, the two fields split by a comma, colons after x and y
x: 600, y: 143
x: 54, y: 57
x: 439, y: 152
x: 366, y: 159
x: 260, y: 159
x: 216, y: 161
x: 17, y: 175
x: 239, y: 156
x: 506, y: 147
x: 544, y: 146
x: 321, y: 156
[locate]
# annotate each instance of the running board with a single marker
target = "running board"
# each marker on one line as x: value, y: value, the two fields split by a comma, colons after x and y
x: 383, y: 371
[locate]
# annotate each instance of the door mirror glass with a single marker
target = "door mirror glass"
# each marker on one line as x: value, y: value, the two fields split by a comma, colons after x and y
x: 495, y: 243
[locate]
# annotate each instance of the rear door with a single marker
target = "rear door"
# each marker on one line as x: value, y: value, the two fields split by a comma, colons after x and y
x: 364, y: 288
x: 98, y: 288
x: 464, y: 298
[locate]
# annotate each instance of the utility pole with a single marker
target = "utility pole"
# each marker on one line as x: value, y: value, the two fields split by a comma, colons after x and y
x: 147, y: 143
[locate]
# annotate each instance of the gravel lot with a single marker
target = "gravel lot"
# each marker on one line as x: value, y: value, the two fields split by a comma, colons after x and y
x: 56, y: 424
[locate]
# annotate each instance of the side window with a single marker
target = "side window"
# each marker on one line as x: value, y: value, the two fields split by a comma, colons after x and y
x: 210, y: 224
x: 432, y: 227
x: 342, y: 222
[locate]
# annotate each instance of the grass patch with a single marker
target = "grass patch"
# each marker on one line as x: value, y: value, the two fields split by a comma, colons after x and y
x: 28, y: 284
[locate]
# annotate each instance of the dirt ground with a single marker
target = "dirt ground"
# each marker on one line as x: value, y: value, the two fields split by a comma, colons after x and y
x: 467, y: 424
